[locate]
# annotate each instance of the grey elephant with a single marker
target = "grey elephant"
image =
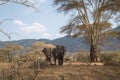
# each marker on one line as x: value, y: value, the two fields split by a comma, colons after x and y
x: 48, y: 54
x: 58, y: 54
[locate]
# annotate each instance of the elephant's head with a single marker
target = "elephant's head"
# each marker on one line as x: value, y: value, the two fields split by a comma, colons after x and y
x: 47, y: 52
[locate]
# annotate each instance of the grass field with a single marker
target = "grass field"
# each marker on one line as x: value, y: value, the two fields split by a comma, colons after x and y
x: 65, y: 72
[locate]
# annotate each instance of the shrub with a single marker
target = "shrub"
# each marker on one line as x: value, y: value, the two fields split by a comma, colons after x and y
x: 112, y: 58
x: 81, y: 56
x: 67, y: 57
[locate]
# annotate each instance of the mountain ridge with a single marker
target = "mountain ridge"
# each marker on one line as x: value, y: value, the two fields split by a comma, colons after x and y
x: 71, y: 44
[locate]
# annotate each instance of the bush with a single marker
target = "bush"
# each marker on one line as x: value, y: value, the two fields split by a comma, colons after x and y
x: 39, y: 64
x: 2, y: 58
x: 67, y: 57
x: 112, y: 58
x: 81, y: 56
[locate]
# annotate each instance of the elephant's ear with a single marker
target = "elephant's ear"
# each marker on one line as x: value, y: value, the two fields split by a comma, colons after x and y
x: 64, y: 49
x: 44, y: 50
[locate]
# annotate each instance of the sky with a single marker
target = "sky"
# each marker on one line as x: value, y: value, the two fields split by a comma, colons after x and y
x: 26, y: 23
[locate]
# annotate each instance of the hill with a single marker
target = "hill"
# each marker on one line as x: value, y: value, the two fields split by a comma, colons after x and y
x: 116, y: 29
x: 71, y: 44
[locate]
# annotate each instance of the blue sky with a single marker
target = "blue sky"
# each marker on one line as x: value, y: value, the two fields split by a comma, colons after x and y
x: 26, y: 23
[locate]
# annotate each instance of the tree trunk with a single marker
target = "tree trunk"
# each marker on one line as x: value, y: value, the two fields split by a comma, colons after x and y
x: 93, y: 52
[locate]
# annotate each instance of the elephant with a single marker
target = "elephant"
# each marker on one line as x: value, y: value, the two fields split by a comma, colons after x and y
x: 58, y: 53
x: 48, y: 54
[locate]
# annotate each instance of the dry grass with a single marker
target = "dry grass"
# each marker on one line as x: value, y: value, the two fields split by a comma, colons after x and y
x: 83, y: 63
x: 65, y: 72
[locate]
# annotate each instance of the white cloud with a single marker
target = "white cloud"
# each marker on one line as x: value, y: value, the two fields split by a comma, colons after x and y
x: 35, y: 27
x: 59, y: 35
x: 47, y: 35
x: 19, y: 22
x: 38, y: 1
x: 41, y: 1
x: 50, y: 36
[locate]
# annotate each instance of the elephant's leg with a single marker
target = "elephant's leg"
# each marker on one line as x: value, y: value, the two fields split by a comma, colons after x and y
x: 55, y: 61
x: 59, y: 58
x: 59, y: 61
x: 49, y: 60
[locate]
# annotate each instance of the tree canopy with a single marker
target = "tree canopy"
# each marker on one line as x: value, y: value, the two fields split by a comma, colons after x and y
x: 91, y: 20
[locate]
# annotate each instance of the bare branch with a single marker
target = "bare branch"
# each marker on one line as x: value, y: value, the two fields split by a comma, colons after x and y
x: 27, y: 3
x: 4, y: 21
x: 5, y: 34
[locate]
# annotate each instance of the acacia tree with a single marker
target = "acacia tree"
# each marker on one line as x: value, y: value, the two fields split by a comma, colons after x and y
x: 36, y: 49
x: 91, y: 20
x: 12, y: 51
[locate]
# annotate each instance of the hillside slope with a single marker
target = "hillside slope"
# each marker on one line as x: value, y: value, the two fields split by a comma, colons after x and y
x: 72, y: 44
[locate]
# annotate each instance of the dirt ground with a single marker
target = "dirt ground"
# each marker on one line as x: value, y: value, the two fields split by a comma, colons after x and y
x: 69, y: 71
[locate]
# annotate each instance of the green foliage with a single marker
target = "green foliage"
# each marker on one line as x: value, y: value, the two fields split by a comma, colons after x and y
x: 112, y: 58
